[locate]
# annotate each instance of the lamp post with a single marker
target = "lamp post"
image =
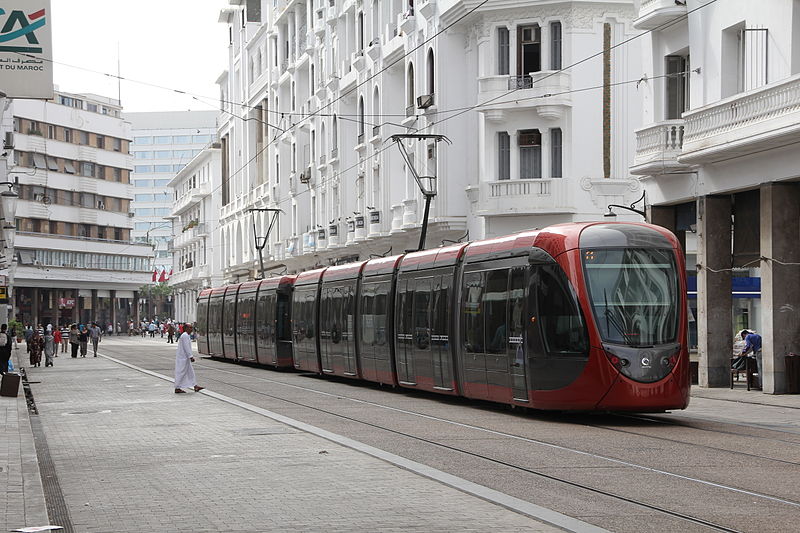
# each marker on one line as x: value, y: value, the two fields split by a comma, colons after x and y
x: 8, y: 199
x: 631, y: 208
x: 261, y: 243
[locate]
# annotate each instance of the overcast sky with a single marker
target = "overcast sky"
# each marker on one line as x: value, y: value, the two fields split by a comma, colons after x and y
x: 172, y: 43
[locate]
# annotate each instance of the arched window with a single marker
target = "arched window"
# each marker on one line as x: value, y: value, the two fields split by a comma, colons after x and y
x: 360, y: 119
x: 312, y: 84
x: 323, y: 146
x: 431, y: 73
x: 410, y: 96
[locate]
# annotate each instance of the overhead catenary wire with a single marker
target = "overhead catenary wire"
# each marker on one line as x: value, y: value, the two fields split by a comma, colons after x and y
x: 457, y: 111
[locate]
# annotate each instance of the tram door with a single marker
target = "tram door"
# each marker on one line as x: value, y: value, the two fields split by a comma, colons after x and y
x: 404, y: 332
x: 517, y: 319
x: 440, y: 340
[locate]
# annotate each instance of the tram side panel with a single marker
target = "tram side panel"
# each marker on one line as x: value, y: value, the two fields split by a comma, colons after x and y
x: 265, y: 325
x: 229, y: 322
x: 337, y: 305
x: 375, y: 329
x: 246, y: 320
x: 305, y: 317
x: 201, y: 325
x: 215, y: 308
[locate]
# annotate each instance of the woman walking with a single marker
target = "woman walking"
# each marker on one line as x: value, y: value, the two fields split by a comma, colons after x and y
x: 73, y: 340
x: 56, y: 340
x: 49, y: 347
x: 35, y: 347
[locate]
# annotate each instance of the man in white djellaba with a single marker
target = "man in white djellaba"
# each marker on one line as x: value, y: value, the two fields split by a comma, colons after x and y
x: 184, y: 373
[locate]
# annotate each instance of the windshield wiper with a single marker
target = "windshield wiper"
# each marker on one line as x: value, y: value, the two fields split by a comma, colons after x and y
x: 612, y: 319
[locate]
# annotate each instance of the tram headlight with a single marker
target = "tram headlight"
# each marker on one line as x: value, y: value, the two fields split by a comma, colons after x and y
x: 624, y: 362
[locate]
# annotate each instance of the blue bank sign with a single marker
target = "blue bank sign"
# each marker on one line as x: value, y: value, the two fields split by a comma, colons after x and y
x: 26, y: 49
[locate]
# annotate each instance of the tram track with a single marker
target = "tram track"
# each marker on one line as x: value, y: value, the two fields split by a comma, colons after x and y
x: 675, y: 514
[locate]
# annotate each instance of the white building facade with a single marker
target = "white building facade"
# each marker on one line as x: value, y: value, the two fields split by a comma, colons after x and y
x: 163, y: 143
x: 75, y: 258
x: 196, y: 244
x: 717, y: 158
x: 322, y: 86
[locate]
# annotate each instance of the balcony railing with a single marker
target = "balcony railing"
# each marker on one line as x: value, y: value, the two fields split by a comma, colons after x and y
x: 658, y: 147
x: 520, y: 82
x: 760, y: 118
x: 528, y: 196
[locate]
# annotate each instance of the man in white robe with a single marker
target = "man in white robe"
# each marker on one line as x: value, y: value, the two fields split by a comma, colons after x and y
x: 184, y: 373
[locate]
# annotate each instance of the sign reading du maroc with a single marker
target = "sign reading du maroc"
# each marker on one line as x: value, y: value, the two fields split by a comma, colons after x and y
x: 26, y: 49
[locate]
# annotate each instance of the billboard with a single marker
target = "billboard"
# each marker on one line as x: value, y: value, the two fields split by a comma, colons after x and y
x: 26, y: 49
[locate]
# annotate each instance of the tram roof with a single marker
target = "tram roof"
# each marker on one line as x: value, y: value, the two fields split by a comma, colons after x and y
x: 433, y: 258
x: 381, y: 265
x: 310, y: 276
x: 340, y: 272
x: 507, y: 246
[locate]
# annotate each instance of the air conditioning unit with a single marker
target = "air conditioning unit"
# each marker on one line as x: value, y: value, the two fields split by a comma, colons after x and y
x: 131, y: 214
x: 424, y: 101
x: 38, y: 197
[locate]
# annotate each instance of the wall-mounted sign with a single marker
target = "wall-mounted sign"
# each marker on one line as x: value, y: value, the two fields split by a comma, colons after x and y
x: 351, y: 226
x: 4, y: 295
x: 360, y: 221
x: 26, y: 49
x: 374, y: 217
x: 66, y: 303
x: 321, y: 235
x: 333, y: 230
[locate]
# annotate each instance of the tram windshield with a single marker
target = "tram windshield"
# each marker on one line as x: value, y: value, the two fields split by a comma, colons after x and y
x: 634, y: 294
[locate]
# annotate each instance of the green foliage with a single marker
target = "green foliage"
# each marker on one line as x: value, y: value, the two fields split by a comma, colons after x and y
x: 16, y: 325
x: 156, y: 290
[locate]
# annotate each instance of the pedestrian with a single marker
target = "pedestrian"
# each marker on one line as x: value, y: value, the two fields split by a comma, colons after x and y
x: 35, y: 348
x: 110, y: 329
x: 152, y: 329
x: 28, y: 333
x: 95, y: 333
x: 74, y: 343
x: 64, y: 339
x: 752, y: 344
x: 184, y: 373
x: 119, y: 329
x: 49, y: 347
x: 57, y: 338
x: 170, y: 333
x: 83, y: 339
x: 5, y: 348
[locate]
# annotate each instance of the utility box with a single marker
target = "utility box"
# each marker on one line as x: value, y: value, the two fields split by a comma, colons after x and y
x: 793, y: 373
x: 10, y: 385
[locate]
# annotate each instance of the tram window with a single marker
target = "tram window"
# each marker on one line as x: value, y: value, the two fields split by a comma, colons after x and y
x: 347, y: 313
x: 516, y: 312
x: 278, y: 324
x: 441, y: 312
x: 494, y: 304
x: 229, y: 321
x: 368, y: 314
x: 472, y: 312
x: 263, y: 325
x: 422, y: 301
x: 559, y: 318
x: 381, y: 310
x: 404, y: 298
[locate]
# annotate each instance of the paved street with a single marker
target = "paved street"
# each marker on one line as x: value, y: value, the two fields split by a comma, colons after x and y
x: 132, y: 456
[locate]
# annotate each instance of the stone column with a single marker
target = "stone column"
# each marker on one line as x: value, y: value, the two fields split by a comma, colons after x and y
x: 780, y: 290
x: 95, y: 302
x: 35, y: 307
x: 136, y: 316
x: 714, y: 305
x: 665, y: 216
x: 114, y: 304
x: 75, y: 306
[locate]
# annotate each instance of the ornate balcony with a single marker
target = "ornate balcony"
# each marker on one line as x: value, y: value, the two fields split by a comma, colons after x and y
x: 755, y: 120
x: 658, y: 147
x: 524, y: 197
x: 546, y: 91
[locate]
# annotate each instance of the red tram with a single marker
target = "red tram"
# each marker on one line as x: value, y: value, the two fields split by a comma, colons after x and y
x: 583, y: 316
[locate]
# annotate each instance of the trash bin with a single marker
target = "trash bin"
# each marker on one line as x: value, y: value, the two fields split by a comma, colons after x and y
x: 793, y: 373
x: 10, y: 385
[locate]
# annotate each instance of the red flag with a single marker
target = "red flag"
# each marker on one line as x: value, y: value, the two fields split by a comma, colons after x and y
x: 163, y: 276
x: 170, y: 273
x: 155, y: 274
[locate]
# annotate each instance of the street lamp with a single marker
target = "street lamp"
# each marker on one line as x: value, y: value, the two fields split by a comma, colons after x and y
x: 629, y: 208
x: 9, y: 202
x: 427, y: 184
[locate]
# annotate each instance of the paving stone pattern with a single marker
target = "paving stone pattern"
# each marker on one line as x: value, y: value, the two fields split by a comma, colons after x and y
x: 132, y: 456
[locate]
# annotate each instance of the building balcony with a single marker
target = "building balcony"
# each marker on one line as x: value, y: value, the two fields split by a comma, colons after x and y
x: 756, y: 120
x: 189, y: 237
x: 189, y: 276
x: 654, y: 13
x: 190, y: 199
x: 348, y: 81
x: 546, y: 91
x: 658, y: 147
x: 524, y: 197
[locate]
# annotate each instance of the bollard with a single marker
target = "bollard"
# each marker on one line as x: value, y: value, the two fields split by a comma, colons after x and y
x: 792, y: 373
x: 10, y: 385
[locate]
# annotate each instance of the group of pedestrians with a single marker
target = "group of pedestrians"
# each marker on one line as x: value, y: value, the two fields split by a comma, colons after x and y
x: 166, y: 328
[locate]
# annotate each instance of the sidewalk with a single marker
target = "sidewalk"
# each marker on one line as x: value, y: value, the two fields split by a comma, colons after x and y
x: 132, y: 456
x: 22, y: 497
